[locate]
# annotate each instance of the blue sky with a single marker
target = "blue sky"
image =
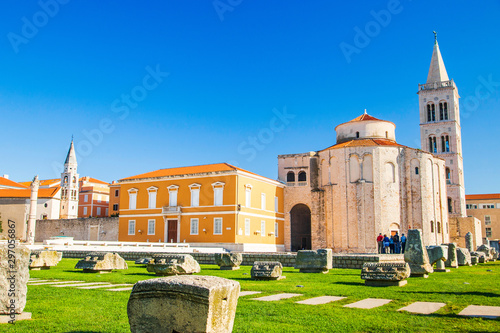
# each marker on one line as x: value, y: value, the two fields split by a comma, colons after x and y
x: 157, y: 84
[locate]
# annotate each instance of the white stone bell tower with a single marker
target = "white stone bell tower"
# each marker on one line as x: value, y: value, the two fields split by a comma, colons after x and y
x: 69, y: 186
x: 440, y: 131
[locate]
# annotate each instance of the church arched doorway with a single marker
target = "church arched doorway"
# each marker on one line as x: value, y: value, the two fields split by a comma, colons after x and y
x: 300, y: 221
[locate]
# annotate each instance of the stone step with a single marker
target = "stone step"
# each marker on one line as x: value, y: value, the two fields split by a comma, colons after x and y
x: 276, y: 297
x: 368, y: 303
x: 120, y: 289
x: 320, y: 300
x: 490, y: 312
x: 423, y: 307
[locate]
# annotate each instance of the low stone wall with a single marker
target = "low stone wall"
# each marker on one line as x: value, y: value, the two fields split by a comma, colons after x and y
x: 103, y: 229
x: 357, y: 260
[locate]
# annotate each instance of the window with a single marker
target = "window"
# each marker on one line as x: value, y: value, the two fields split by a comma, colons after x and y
x: 115, y: 207
x: 218, y: 226
x: 450, y: 205
x: 432, y: 226
x: 247, y: 227
x: 132, y: 201
x: 98, y: 210
x: 471, y: 206
x: 248, y: 196
x: 302, y: 176
x: 443, y: 111
x: 263, y: 201
x: 357, y: 134
x: 65, y: 179
x: 84, y: 210
x: 416, y: 170
x: 448, y: 175
x: 172, y: 195
x: 86, y: 198
x: 117, y: 193
x: 152, y: 196
x: 99, y: 198
x: 131, y: 227
x: 290, y: 177
x: 447, y: 144
x: 151, y: 227
x: 276, y: 229
x: 107, y: 211
x: 438, y: 225
x: 193, y: 230
x: 487, y: 219
x: 488, y: 206
x: 262, y: 228
x: 195, y: 195
x: 432, y: 144
x: 218, y: 193
x: 431, y: 112
x: 488, y: 232
x: 276, y: 204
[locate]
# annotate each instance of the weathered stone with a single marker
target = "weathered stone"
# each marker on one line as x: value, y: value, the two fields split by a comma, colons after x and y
x: 267, y: 270
x: 480, y: 257
x: 494, y: 254
x: 183, y: 304
x: 385, y: 274
x: 44, y: 259
x: 228, y: 261
x: 486, y: 250
x: 173, y: 264
x: 438, y: 255
x: 463, y: 257
x: 469, y: 242
x: 474, y: 259
x: 99, y: 263
x: 416, y: 255
x: 142, y: 261
x: 14, y: 257
x: 452, y: 255
x: 310, y: 261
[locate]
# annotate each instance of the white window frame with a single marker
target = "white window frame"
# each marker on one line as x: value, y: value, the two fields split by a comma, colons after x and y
x: 98, y: 198
x: 263, y: 228
x: 276, y: 204
x: 107, y: 212
x: 276, y: 228
x: 152, y: 195
x: 247, y: 227
x: 194, y: 230
x: 217, y: 219
x: 131, y: 227
x: 263, y: 201
x: 218, y: 193
x: 487, y: 219
x: 84, y: 210
x: 172, y: 195
x: 86, y: 198
x: 248, y: 195
x: 195, y: 195
x: 151, y: 226
x: 132, y: 198
x: 98, y: 211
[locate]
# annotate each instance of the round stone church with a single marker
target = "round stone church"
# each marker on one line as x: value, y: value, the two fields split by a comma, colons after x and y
x: 343, y: 196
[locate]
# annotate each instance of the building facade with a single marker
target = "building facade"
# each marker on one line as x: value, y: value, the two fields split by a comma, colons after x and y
x: 216, y: 205
x: 486, y: 208
x: 342, y: 197
x: 93, y: 198
x: 114, y: 199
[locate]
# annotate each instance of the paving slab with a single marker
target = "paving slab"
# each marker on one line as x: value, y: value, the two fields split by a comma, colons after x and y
x: 490, y: 312
x: 368, y: 303
x: 246, y: 293
x: 37, y: 281
x: 106, y: 286
x: 276, y: 297
x: 79, y: 284
x: 58, y: 282
x: 423, y: 307
x: 320, y: 300
x: 120, y: 289
x: 4, y: 319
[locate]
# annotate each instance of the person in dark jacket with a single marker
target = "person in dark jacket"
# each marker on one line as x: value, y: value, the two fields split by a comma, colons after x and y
x: 397, y: 245
x: 403, y: 243
x: 386, y: 244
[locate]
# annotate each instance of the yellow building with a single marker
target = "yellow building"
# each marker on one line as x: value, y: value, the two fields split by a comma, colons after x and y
x: 206, y: 205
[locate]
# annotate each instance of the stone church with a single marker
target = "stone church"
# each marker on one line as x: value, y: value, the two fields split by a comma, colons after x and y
x: 343, y: 196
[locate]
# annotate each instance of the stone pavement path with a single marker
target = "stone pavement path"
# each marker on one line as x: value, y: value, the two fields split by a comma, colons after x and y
x: 79, y: 284
x: 276, y: 297
x: 120, y: 289
x: 490, y: 312
x: 423, y: 307
x: 106, y: 286
x: 368, y: 303
x: 320, y: 300
x: 55, y: 282
x: 246, y: 293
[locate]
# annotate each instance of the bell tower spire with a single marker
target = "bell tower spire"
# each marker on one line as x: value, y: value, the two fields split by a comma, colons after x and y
x: 69, y: 185
x: 440, y: 131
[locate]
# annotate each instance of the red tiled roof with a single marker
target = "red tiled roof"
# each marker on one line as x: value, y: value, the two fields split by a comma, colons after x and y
x: 365, y: 143
x: 482, y: 196
x: 94, y: 180
x: 44, y: 182
x: 364, y: 117
x: 26, y: 193
x: 10, y: 183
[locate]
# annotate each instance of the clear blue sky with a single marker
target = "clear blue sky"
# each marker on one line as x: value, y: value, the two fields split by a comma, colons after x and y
x: 234, y: 69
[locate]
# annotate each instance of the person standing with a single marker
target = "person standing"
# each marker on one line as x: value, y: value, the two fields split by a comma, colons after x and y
x: 386, y: 244
x: 397, y: 245
x: 403, y: 242
x: 380, y: 243
x: 391, y: 244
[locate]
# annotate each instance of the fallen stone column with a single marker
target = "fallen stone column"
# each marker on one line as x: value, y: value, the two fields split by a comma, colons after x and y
x: 438, y: 255
x: 463, y: 257
x: 98, y: 263
x: 173, y: 264
x: 45, y: 260
x: 310, y: 261
x: 267, y: 270
x: 385, y: 274
x: 228, y: 261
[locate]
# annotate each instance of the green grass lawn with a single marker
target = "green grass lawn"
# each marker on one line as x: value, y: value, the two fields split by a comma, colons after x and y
x: 98, y: 310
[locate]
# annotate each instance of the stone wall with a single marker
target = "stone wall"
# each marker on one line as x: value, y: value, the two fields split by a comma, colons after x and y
x: 357, y: 260
x: 103, y: 229
x: 460, y: 226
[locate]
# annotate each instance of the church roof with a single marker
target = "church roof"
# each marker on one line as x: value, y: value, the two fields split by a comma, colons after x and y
x: 364, y: 117
x: 437, y: 71
x: 93, y: 180
x: 365, y: 143
x: 7, y: 183
x: 26, y: 193
x: 482, y: 196
x: 71, y: 157
x: 44, y: 182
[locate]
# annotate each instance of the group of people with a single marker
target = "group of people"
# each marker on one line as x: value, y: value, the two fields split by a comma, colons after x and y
x: 392, y: 244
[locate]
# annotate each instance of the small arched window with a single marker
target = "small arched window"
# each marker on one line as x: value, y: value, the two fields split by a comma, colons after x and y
x: 357, y: 135
x: 290, y: 177
x: 416, y: 170
x: 431, y: 112
x: 432, y: 226
x: 450, y: 205
x: 386, y: 135
x: 438, y: 225
x: 65, y: 179
x: 445, y: 106
x: 448, y: 175
x: 432, y: 144
x: 74, y: 180
x: 302, y: 176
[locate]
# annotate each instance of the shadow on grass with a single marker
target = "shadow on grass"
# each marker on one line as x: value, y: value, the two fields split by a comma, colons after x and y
x: 350, y: 283
x: 470, y: 293
x: 83, y: 332
x: 142, y: 274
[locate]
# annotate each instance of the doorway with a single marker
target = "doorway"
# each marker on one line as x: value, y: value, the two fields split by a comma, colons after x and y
x: 300, y: 221
x: 172, y: 231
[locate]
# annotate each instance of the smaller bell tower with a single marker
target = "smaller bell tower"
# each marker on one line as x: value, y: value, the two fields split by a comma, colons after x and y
x: 69, y: 186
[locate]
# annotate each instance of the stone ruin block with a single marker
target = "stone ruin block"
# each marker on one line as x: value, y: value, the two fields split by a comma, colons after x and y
x: 478, y: 257
x: 267, y: 270
x: 142, y: 261
x: 14, y: 275
x: 438, y: 255
x: 416, y: 255
x: 469, y: 242
x: 474, y: 259
x: 173, y: 264
x: 228, y: 261
x: 486, y: 250
x: 385, y: 274
x: 101, y: 263
x: 183, y: 304
x: 463, y: 257
x: 310, y: 261
x: 452, y: 255
x: 44, y: 259
x: 494, y: 254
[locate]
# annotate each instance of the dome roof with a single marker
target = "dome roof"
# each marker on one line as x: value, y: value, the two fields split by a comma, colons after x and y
x: 366, y: 127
